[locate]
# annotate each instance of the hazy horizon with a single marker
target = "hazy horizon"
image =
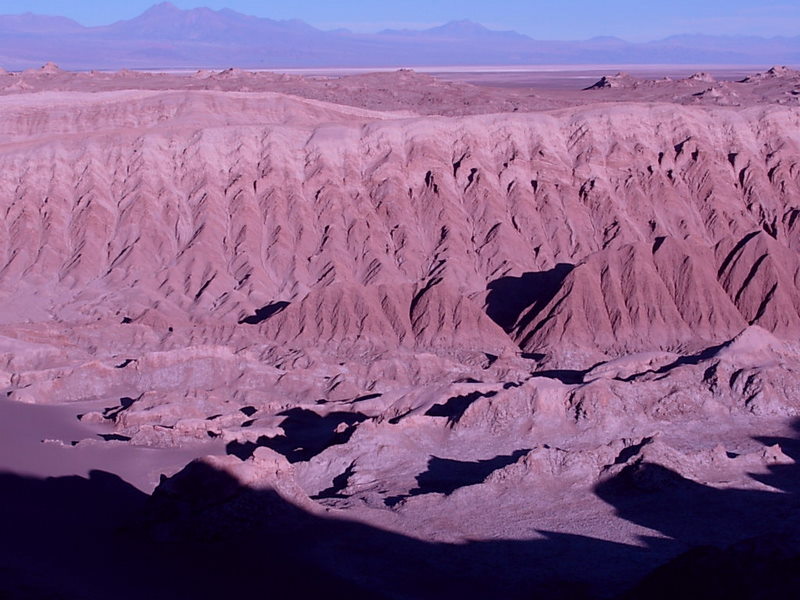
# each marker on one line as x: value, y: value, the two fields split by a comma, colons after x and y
x: 174, y: 36
x: 569, y: 21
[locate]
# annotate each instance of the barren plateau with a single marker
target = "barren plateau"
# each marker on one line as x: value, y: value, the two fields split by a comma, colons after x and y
x: 390, y: 336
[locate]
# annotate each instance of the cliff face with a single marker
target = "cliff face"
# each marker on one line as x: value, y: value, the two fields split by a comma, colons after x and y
x: 604, y: 229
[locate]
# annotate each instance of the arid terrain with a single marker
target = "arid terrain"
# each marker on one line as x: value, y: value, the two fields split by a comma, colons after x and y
x: 388, y: 335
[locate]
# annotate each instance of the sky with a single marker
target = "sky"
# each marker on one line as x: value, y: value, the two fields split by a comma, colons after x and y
x: 633, y: 20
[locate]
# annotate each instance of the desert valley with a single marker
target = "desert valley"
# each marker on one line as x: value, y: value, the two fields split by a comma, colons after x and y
x: 391, y: 335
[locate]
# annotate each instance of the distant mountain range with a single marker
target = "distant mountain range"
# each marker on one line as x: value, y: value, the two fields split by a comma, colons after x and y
x: 165, y: 36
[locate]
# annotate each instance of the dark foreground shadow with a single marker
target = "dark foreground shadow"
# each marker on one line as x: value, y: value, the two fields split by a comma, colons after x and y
x: 740, y: 544
x: 203, y: 535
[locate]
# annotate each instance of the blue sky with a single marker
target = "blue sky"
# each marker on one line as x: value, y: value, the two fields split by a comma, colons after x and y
x: 635, y: 20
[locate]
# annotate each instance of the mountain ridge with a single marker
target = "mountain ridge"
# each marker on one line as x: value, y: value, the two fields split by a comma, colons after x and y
x: 166, y: 36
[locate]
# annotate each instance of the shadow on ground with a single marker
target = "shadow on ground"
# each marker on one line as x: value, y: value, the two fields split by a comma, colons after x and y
x: 305, y: 434
x: 445, y: 475
x: 202, y: 535
x: 514, y: 302
x: 264, y: 313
